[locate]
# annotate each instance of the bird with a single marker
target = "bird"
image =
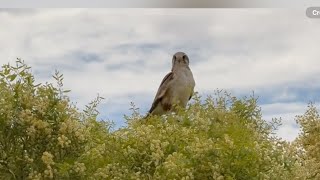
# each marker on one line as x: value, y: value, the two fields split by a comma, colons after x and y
x: 176, y: 88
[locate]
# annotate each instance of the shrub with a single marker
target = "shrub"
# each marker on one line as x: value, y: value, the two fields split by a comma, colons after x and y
x: 223, y: 138
x: 41, y: 133
x: 44, y: 136
x: 308, y: 144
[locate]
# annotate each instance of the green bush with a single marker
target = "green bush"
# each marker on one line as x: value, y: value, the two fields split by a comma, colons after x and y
x: 308, y: 144
x: 44, y: 136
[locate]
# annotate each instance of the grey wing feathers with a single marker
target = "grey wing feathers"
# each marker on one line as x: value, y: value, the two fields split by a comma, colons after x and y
x: 161, y: 91
x: 169, y: 76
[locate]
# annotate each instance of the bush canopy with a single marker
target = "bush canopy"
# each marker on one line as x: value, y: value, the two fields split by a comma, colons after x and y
x: 43, y: 135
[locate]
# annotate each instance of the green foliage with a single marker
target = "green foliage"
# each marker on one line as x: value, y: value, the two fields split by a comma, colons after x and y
x: 44, y: 136
x: 309, y: 143
x: 41, y: 133
x: 223, y: 138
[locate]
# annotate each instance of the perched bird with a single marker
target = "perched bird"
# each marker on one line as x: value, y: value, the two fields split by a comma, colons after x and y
x: 176, y: 87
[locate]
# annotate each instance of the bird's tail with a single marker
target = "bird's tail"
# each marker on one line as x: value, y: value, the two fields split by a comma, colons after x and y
x: 146, y: 117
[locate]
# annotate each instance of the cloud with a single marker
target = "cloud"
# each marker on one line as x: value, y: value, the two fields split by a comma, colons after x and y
x: 123, y: 54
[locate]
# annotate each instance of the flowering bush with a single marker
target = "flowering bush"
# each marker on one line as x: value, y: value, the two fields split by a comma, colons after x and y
x: 309, y: 144
x: 41, y: 133
x: 44, y: 136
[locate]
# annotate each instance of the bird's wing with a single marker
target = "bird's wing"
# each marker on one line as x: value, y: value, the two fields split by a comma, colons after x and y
x: 162, y: 90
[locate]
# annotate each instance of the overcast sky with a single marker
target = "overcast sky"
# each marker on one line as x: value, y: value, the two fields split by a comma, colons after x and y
x: 123, y: 54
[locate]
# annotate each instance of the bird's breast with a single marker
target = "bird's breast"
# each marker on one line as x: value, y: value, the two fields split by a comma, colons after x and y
x: 184, y: 86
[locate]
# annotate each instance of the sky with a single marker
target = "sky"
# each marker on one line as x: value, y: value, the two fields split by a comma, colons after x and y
x: 123, y: 54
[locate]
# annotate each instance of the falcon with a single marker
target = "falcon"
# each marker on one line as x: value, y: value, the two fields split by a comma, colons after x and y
x: 176, y: 88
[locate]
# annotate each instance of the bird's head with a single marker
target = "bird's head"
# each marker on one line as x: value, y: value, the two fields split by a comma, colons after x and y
x: 180, y: 59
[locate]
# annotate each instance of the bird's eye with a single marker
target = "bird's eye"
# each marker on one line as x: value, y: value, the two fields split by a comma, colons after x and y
x: 184, y: 56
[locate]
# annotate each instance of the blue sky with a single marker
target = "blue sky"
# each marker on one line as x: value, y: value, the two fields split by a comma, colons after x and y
x: 123, y: 54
